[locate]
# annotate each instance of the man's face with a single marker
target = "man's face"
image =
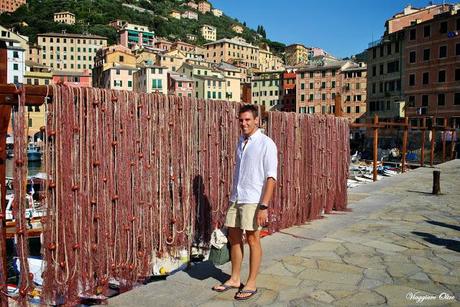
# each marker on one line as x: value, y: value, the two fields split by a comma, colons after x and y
x: 248, y: 123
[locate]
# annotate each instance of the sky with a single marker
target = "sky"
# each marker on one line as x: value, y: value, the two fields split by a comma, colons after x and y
x: 341, y: 27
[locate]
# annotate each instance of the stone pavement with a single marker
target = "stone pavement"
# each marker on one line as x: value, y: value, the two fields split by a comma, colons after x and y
x: 400, y: 246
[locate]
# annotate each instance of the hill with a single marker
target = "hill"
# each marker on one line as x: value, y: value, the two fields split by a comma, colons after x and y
x: 93, y: 17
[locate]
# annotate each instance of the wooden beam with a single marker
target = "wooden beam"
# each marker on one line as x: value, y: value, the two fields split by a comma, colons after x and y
x: 422, y: 151
x: 338, y: 105
x: 404, y: 145
x: 35, y: 95
x: 376, y: 142
x: 444, y: 141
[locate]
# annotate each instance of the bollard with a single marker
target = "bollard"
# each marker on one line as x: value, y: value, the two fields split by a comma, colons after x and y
x: 436, y: 182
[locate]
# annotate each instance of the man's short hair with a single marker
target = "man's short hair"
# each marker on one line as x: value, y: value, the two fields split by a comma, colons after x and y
x: 249, y: 108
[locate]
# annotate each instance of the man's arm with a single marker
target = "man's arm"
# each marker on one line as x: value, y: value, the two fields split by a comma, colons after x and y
x: 262, y: 215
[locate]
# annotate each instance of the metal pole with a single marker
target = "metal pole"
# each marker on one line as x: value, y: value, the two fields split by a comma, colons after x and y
x: 422, y: 152
x: 404, y: 145
x: 376, y: 141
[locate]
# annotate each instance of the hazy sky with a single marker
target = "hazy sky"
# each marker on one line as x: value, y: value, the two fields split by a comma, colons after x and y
x: 341, y: 27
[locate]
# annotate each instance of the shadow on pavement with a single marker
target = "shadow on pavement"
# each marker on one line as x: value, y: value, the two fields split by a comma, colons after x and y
x: 422, y: 192
x: 448, y: 243
x: 205, y: 270
x: 444, y: 225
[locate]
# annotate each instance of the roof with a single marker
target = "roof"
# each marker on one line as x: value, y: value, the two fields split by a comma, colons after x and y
x: 73, y: 35
x: 9, y: 40
x: 64, y: 12
x: 231, y: 41
x: 209, y: 77
x: 144, y: 65
x: 180, y: 78
x: 196, y: 66
x: 35, y: 64
x: 70, y: 73
x: 227, y: 67
x: 121, y: 66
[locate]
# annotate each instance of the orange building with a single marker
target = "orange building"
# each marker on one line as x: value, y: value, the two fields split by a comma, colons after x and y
x: 10, y: 5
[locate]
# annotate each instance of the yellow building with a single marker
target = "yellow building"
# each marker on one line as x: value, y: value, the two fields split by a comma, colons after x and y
x: 268, y: 61
x: 64, y: 17
x: 237, y: 28
x: 209, y: 83
x: 296, y: 54
x: 109, y: 58
x: 232, y: 75
x: 209, y: 33
x: 175, y: 14
x: 234, y: 51
x: 65, y: 51
x: 172, y: 59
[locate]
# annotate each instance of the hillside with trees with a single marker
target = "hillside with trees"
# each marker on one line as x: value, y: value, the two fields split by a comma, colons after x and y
x: 93, y: 16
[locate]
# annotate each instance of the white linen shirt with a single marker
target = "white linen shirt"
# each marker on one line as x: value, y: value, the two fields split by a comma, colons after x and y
x: 254, y: 164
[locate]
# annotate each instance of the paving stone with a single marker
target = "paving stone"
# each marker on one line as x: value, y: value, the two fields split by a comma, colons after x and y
x: 401, y: 269
x: 282, y: 269
x: 378, y: 274
x: 363, y: 298
x: 420, y: 276
x: 385, y: 246
x: 445, y: 279
x: 306, y: 301
x: 319, y: 255
x: 322, y: 296
x: 338, y: 267
x: 323, y: 246
x: 276, y: 283
x: 216, y: 304
x: 450, y: 257
x: 265, y: 297
x: 300, y: 261
x: 295, y: 293
x: 359, y: 248
x: 341, y: 251
x: 430, y: 266
x: 364, y: 261
x: 368, y: 283
x: 321, y: 275
x: 327, y: 286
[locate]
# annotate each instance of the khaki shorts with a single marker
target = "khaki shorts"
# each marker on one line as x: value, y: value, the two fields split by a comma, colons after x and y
x: 242, y: 216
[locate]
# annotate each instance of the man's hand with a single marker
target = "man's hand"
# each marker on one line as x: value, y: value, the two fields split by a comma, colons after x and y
x: 262, y: 217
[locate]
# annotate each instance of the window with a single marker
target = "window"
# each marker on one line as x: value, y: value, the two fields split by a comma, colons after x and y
x: 389, y: 49
x: 323, y: 73
x: 357, y: 109
x: 443, y: 27
x: 311, y: 97
x: 302, y: 86
x: 442, y: 51
x: 458, y: 24
x: 457, y: 49
x: 302, y: 97
x: 424, y: 100
x: 311, y: 74
x: 381, y: 69
x: 374, y: 53
x: 323, y: 97
x: 15, y: 66
x: 412, y: 34
x: 381, y: 51
x: 411, y: 79
x: 323, y: 84
x: 302, y: 75
x: 411, y: 101
x: 396, y: 47
x: 374, y: 71
x: 333, y: 84
x: 426, y: 78
x: 441, y: 99
x: 373, y: 88
x: 15, y: 54
x: 15, y: 79
x: 311, y: 85
x: 426, y: 54
x: 412, y: 57
x: 442, y: 76
x: 426, y: 31
x: 30, y: 122
x: 393, y: 67
x: 457, y: 74
x: 348, y: 109
x: 457, y: 98
x: 121, y: 58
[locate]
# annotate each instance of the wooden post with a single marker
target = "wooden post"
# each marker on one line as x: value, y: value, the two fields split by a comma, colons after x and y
x: 436, y: 182
x: 376, y: 142
x: 422, y: 151
x: 433, y: 136
x: 5, y: 112
x: 444, y: 140
x: 452, y: 144
x: 338, y: 105
x: 404, y: 145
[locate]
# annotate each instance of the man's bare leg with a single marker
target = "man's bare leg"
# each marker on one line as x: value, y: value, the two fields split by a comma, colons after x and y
x: 255, y: 257
x: 235, y: 237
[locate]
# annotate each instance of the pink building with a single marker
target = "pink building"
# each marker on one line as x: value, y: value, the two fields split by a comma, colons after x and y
x: 180, y: 85
x: 76, y: 78
x: 163, y: 44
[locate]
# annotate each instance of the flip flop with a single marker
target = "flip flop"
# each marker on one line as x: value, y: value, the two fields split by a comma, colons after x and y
x: 243, y: 298
x: 225, y: 287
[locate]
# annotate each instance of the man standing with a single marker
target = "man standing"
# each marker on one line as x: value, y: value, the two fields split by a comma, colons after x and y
x: 253, y: 185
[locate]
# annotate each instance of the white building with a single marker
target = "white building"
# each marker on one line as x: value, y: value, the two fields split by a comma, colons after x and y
x: 151, y: 79
x: 209, y: 33
x: 190, y: 15
x: 16, y: 61
x: 216, y: 12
